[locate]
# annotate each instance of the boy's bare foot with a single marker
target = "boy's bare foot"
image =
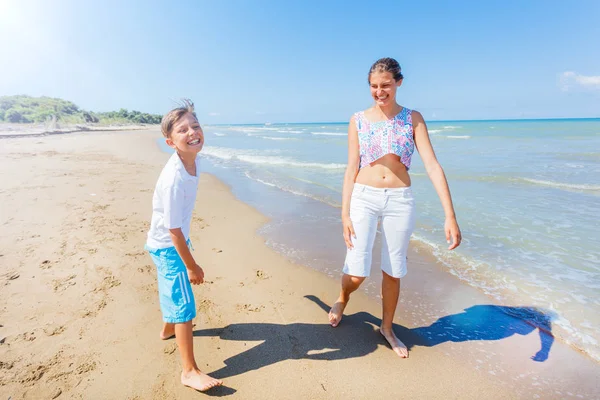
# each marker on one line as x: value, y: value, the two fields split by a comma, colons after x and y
x: 167, y: 332
x: 398, y: 347
x: 199, y: 380
x: 337, y: 311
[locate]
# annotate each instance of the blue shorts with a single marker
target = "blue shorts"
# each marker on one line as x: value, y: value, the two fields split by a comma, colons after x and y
x: 174, y: 289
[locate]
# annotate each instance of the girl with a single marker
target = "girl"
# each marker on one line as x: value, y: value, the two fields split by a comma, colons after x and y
x: 381, y: 142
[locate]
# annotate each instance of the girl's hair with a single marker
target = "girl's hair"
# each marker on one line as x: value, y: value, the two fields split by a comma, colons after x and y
x: 387, y: 65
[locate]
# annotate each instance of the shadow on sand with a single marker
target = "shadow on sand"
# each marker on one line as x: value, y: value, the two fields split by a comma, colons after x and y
x: 358, y: 335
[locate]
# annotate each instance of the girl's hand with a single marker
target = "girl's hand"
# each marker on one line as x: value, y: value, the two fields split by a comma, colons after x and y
x: 348, y: 232
x: 452, y: 232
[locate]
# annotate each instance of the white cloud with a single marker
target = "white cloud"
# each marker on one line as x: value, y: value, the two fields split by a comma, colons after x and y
x: 213, y: 114
x: 569, y: 80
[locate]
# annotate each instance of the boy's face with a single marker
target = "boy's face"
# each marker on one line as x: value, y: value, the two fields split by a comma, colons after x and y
x: 187, y: 135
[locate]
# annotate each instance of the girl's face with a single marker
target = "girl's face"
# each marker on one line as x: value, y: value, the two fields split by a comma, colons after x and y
x: 383, y: 88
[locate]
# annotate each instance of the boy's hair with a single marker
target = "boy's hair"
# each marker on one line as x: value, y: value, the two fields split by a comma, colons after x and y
x: 171, y: 118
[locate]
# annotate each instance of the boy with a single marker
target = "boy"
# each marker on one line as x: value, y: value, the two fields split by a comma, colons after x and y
x: 168, y: 238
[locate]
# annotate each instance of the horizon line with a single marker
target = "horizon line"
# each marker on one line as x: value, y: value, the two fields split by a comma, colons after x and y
x: 437, y: 120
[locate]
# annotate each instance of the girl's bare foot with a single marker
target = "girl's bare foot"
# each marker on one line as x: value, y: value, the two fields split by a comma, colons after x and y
x: 398, y: 347
x: 336, y: 312
x: 199, y: 380
x: 167, y: 332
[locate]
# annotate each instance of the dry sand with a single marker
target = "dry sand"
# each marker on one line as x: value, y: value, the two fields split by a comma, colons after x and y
x: 79, y: 313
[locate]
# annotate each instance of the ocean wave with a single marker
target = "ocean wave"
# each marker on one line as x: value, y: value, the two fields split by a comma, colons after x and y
x: 329, y: 133
x: 277, y: 138
x: 459, y: 137
x: 289, y: 131
x: 224, y: 153
x: 292, y: 191
x: 219, y: 134
x: 272, y: 160
x: 252, y: 129
x: 560, y: 185
x: 259, y: 180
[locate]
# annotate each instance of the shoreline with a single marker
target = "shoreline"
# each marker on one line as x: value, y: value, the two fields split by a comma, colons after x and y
x: 265, y: 315
x: 33, y: 130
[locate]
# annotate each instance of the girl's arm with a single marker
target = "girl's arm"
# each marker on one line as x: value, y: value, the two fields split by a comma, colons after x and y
x: 438, y: 178
x: 349, y: 178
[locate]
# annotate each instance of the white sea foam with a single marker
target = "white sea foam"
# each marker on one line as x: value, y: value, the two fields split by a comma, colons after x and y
x: 272, y: 160
x: 292, y: 191
x: 560, y: 185
x: 276, y: 138
x: 459, y: 137
x: 259, y: 180
x: 252, y: 157
x: 219, y: 134
x: 329, y: 133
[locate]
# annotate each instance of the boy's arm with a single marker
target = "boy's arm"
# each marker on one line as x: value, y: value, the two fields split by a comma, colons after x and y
x: 195, y: 273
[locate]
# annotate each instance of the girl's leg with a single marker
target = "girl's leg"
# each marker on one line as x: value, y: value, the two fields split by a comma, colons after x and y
x: 390, y: 289
x: 349, y: 285
x: 364, y: 213
x: 398, y: 222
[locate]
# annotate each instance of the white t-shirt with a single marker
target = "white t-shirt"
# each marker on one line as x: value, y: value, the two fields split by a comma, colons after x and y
x: 172, y: 203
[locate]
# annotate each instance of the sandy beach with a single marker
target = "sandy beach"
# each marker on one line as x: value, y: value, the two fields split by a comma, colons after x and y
x: 79, y: 314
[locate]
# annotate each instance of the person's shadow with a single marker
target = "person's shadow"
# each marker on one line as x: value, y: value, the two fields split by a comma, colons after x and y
x: 358, y: 335
x: 485, y: 322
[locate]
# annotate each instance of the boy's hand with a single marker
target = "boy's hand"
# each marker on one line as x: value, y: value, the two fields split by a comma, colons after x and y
x: 196, y: 275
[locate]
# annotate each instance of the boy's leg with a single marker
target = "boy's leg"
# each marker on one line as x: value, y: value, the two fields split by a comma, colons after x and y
x: 168, y: 331
x: 191, y: 376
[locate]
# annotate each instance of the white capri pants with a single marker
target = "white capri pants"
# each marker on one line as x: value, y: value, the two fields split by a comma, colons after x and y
x: 396, y: 207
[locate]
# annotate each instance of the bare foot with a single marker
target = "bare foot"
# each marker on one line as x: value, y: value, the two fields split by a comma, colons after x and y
x: 336, y: 312
x: 167, y: 332
x: 398, y: 347
x: 199, y: 381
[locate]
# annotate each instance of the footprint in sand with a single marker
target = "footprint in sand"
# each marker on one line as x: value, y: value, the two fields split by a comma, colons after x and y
x: 248, y: 308
x: 54, y: 329
x: 260, y: 274
x: 61, y: 284
x: 205, y: 305
x: 145, y: 269
x: 10, y: 276
x: 170, y: 348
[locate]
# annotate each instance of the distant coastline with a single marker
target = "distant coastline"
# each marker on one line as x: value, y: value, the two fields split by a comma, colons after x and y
x: 51, y: 111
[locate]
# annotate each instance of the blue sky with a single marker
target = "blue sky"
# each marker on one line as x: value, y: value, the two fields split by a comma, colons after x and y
x: 306, y: 61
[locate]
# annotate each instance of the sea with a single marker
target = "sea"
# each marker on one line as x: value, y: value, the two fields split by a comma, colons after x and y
x: 526, y: 195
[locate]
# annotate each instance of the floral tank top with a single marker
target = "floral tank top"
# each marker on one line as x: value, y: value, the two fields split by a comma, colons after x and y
x: 376, y: 139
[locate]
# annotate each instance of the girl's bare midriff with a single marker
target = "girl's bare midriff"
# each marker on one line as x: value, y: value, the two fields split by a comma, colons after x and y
x: 386, y: 172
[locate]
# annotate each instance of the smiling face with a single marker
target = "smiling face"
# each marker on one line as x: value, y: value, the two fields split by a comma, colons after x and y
x: 187, y: 135
x: 383, y: 88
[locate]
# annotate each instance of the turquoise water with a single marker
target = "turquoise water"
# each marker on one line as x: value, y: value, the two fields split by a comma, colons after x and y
x: 526, y: 194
